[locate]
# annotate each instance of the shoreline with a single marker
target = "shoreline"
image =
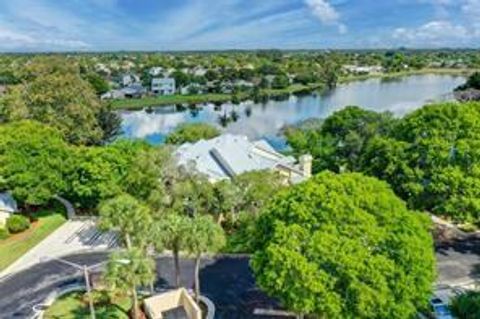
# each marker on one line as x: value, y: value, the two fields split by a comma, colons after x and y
x: 152, y: 101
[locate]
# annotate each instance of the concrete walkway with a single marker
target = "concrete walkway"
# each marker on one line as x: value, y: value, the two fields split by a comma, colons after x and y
x: 75, y: 236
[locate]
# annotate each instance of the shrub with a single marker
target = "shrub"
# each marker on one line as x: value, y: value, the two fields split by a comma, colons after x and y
x: 467, y: 305
x: 17, y: 223
x: 3, y: 233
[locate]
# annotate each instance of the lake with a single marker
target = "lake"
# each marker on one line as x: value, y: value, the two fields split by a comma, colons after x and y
x: 265, y: 120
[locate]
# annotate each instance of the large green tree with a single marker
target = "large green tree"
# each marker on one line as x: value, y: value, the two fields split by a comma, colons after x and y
x: 344, y: 246
x: 53, y: 92
x: 33, y: 160
x: 432, y: 159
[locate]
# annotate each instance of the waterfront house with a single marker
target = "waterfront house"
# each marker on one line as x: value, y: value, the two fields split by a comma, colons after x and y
x: 163, y: 86
x: 8, y: 206
x: 156, y: 71
x: 229, y: 155
x: 129, y: 79
x: 135, y: 90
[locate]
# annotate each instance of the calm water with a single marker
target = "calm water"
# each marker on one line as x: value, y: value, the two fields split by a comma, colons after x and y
x: 399, y: 96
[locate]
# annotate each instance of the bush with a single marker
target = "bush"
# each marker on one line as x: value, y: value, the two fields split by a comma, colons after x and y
x: 17, y: 223
x: 4, y: 233
x: 466, y: 306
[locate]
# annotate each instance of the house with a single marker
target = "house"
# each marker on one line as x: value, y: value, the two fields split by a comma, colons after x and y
x: 163, y: 86
x: 8, y: 206
x: 229, y: 155
x: 128, y: 79
x: 156, y: 71
x: 372, y: 69
x: 135, y: 90
x: 199, y: 71
x: 172, y: 304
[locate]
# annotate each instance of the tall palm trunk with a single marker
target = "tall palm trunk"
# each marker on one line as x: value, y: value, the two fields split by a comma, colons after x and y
x: 128, y: 241
x: 197, y: 277
x: 135, y: 302
x: 176, y: 260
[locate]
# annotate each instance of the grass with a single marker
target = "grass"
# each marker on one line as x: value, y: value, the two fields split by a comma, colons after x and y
x: 17, y: 245
x: 135, y: 104
x: 75, y: 306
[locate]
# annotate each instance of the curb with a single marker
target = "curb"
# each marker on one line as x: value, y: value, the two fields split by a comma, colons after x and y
x: 54, y: 295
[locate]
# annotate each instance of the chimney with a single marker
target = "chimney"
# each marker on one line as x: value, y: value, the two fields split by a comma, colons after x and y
x: 306, y: 165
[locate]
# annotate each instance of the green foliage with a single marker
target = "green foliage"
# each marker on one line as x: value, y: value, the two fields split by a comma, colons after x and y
x: 4, y: 233
x: 33, y: 158
x: 127, y: 216
x: 192, y: 132
x: 337, y: 143
x: 473, y: 82
x: 17, y: 223
x: 53, y: 92
x: 430, y: 157
x: 96, y: 174
x: 280, y: 81
x: 466, y: 306
x: 204, y: 236
x: 344, y: 246
x: 99, y: 84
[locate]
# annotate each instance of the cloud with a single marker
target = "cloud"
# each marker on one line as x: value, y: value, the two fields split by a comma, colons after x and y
x: 326, y: 13
x: 433, y: 33
x: 13, y: 40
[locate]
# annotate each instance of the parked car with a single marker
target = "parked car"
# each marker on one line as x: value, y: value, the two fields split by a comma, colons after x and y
x: 439, y: 310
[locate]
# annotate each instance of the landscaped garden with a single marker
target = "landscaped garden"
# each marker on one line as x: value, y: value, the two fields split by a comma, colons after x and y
x: 45, y: 222
x: 75, y: 306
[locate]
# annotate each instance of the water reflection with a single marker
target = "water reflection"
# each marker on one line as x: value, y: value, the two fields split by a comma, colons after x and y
x: 266, y: 118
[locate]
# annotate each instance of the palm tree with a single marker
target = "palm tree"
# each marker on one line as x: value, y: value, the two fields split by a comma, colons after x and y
x: 127, y: 270
x: 127, y: 216
x: 170, y: 232
x: 204, y: 236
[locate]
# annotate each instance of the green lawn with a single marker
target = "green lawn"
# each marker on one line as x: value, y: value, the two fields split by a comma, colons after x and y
x: 133, y: 104
x: 16, y: 245
x: 75, y: 306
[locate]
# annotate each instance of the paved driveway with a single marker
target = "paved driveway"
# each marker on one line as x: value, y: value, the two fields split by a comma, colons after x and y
x: 227, y: 281
x: 74, y: 236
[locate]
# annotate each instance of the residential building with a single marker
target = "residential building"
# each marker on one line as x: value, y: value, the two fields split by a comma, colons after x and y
x: 229, y: 155
x: 364, y: 69
x: 135, y: 90
x: 129, y: 79
x: 163, y: 86
x: 8, y: 206
x: 156, y: 71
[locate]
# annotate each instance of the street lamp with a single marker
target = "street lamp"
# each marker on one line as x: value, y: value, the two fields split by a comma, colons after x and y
x: 85, y: 270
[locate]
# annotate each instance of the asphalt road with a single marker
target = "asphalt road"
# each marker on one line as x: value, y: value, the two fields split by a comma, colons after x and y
x: 227, y: 281
x: 458, y: 260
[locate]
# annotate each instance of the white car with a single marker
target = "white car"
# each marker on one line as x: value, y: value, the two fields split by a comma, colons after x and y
x: 439, y: 309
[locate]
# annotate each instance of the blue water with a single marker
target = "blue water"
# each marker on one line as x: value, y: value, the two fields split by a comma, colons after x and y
x: 399, y: 95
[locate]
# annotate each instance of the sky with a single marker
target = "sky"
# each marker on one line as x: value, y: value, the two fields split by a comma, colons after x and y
x: 166, y: 25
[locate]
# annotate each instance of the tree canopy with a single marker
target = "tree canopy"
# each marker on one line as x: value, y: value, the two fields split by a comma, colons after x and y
x: 53, y: 92
x: 430, y: 157
x: 33, y: 160
x: 192, y: 132
x: 344, y: 246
